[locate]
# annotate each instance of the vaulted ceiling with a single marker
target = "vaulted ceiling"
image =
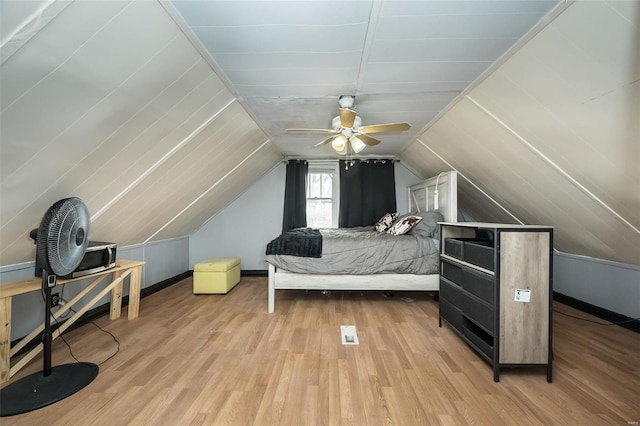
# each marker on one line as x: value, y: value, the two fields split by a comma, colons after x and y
x: 158, y: 114
x: 289, y: 61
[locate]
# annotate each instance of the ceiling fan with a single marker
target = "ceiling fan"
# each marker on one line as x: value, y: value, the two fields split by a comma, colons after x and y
x: 347, y: 130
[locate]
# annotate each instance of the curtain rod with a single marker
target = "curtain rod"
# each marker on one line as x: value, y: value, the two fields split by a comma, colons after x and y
x: 335, y: 160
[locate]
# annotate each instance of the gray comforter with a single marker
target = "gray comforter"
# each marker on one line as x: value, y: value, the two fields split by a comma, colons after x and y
x: 364, y: 251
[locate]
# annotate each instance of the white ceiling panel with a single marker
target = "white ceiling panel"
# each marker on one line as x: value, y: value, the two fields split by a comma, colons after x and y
x: 82, y: 81
x: 15, y: 15
x: 210, y: 155
x: 267, y: 38
x: 426, y: 88
x: 409, y: 102
x: 310, y: 90
x: 291, y: 76
x: 261, y: 61
x: 20, y: 21
x: 466, y: 7
x: 260, y: 13
x: 150, y: 144
x: 609, y: 49
x: 439, y: 50
x: 424, y: 71
x: 455, y: 25
x: 109, y: 117
x: 53, y: 45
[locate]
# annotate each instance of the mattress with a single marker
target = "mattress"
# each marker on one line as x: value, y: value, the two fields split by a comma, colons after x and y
x: 364, y: 251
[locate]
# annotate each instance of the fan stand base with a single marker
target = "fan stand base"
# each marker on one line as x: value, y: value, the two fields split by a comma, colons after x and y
x: 36, y: 391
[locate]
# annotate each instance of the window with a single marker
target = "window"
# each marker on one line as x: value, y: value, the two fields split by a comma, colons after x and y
x: 322, y: 194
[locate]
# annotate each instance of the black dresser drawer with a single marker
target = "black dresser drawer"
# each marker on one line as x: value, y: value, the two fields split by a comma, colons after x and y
x: 453, y: 247
x: 478, y: 311
x: 451, y: 314
x: 479, y: 284
x: 479, y: 253
x: 478, y: 338
x: 451, y: 271
x: 451, y: 292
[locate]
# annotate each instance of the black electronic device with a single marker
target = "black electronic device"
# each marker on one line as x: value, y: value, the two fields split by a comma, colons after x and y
x: 99, y: 256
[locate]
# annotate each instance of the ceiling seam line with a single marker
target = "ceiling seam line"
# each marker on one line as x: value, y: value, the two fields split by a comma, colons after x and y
x: 547, y: 19
x: 197, y: 44
x: 160, y: 161
x: 549, y: 161
x: 96, y: 105
x: 207, y: 191
x: 374, y: 15
x: 472, y: 184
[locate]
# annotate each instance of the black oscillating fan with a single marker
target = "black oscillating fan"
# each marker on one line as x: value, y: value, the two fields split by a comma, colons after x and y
x: 61, y: 242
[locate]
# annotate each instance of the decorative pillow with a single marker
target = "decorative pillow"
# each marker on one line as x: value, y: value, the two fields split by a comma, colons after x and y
x: 385, y: 222
x: 404, y: 225
x: 428, y: 227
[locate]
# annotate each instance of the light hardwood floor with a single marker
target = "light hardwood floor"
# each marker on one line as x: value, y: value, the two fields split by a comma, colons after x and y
x: 222, y: 360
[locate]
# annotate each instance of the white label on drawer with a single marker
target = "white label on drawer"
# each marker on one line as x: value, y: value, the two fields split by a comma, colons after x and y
x: 349, y: 336
x: 522, y: 295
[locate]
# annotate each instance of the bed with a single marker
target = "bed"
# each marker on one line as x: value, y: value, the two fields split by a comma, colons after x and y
x: 308, y: 273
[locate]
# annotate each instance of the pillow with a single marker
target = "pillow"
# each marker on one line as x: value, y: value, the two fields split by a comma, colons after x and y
x: 404, y: 225
x: 385, y: 222
x: 428, y: 227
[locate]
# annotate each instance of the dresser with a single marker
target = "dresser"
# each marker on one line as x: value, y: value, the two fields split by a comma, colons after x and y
x: 496, y: 291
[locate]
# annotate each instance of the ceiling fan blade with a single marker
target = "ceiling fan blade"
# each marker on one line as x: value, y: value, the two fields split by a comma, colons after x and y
x: 367, y: 140
x: 332, y: 131
x: 328, y: 140
x: 381, y: 128
x: 347, y: 117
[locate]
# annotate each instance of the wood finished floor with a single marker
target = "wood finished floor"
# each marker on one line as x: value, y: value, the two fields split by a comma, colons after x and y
x: 222, y: 360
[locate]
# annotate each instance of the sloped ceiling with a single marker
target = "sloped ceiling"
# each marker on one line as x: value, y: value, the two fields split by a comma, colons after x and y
x: 289, y: 61
x: 553, y: 135
x: 109, y: 101
x: 159, y: 113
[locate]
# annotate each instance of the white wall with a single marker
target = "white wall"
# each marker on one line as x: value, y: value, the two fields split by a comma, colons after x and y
x: 245, y: 227
x: 609, y: 285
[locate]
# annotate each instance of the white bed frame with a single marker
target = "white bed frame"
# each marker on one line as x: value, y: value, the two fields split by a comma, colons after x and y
x: 421, y: 197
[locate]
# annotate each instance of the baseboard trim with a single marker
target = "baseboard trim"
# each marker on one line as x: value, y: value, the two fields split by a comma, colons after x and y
x: 101, y: 310
x: 604, y: 314
x: 254, y: 273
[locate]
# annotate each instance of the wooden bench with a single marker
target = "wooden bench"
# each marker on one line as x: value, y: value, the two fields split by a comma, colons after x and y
x: 123, y: 269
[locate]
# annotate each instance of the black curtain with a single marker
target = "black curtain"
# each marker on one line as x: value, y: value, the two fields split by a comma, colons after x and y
x: 295, y: 195
x: 367, y: 192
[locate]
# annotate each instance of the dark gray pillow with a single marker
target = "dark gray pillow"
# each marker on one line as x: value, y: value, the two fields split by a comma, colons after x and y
x: 428, y: 226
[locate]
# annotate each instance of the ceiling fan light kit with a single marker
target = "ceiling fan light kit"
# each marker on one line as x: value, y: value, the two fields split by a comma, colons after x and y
x: 339, y: 144
x: 347, y: 127
x: 357, y: 144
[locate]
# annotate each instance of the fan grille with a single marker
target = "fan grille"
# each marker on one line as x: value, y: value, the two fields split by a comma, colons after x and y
x: 63, y: 236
